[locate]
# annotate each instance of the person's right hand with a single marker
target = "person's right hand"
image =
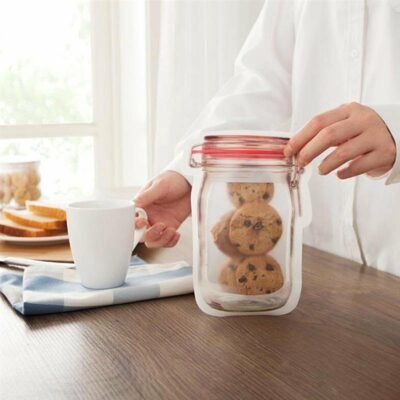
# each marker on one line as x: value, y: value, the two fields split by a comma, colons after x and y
x: 166, y: 200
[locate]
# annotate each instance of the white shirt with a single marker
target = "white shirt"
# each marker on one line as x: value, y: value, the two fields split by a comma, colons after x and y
x: 304, y: 57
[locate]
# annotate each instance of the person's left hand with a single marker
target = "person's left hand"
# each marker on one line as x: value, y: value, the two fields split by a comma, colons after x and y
x: 359, y: 135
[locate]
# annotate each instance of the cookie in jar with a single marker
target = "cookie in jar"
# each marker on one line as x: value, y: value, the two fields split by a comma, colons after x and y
x: 19, y: 181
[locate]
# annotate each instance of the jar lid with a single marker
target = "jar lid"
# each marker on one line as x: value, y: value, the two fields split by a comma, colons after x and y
x: 17, y: 160
x: 239, y: 147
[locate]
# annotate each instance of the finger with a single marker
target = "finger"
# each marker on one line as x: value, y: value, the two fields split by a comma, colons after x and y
x: 315, y: 125
x: 148, y: 196
x: 360, y: 166
x: 154, y: 233
x: 141, y: 223
x: 143, y: 188
x: 164, y: 238
x: 347, y: 151
x: 378, y: 172
x: 332, y: 135
x: 174, y: 240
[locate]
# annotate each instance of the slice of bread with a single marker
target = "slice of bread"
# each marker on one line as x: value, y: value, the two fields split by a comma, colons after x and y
x: 46, y: 210
x: 26, y: 218
x: 13, y: 229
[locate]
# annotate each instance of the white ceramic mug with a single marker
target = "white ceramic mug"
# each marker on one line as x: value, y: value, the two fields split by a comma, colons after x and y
x: 102, y: 236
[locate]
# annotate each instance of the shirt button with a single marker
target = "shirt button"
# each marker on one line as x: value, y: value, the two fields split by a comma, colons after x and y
x: 354, y: 53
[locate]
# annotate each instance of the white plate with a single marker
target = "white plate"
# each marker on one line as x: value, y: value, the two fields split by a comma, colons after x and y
x: 40, y: 241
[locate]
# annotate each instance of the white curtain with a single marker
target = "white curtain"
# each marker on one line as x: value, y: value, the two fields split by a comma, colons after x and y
x: 192, y: 45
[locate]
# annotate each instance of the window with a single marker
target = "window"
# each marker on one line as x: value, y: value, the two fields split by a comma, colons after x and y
x: 72, y: 91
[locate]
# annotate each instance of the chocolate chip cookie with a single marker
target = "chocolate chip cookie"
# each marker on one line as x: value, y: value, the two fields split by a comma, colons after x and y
x: 244, y: 192
x: 220, y: 233
x: 255, y: 228
x: 258, y: 275
x: 227, y: 275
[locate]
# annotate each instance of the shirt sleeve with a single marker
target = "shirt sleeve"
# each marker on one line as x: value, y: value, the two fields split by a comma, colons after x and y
x: 258, y: 96
x: 390, y: 113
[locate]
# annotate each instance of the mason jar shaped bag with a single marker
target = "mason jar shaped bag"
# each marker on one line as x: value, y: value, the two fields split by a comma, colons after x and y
x: 250, y: 204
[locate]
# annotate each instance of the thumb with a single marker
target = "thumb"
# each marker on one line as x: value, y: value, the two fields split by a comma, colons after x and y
x: 148, y: 196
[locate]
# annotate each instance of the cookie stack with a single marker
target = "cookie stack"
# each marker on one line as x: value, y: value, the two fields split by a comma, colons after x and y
x: 246, y: 234
x: 22, y: 186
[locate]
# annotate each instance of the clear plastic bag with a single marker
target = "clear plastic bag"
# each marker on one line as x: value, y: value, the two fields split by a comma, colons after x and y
x: 248, y: 220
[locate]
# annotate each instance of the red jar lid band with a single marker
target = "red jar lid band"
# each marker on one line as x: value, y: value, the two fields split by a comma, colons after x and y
x: 240, y: 153
x: 240, y: 147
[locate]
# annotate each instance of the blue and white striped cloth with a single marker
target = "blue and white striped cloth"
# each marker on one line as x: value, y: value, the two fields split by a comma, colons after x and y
x: 51, y: 288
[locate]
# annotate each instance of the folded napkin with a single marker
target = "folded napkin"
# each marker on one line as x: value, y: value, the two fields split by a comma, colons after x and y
x: 53, y: 288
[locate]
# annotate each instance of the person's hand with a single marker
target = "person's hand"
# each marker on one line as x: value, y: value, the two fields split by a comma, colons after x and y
x: 166, y: 200
x: 359, y: 135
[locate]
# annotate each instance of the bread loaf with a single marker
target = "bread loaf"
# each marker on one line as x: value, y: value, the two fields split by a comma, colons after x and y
x: 46, y: 210
x: 28, y: 219
x: 11, y: 228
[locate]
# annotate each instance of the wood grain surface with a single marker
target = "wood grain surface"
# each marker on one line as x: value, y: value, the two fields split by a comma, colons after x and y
x: 342, y: 342
x: 55, y: 252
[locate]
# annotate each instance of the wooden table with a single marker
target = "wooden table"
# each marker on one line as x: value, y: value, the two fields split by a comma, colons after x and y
x: 342, y: 342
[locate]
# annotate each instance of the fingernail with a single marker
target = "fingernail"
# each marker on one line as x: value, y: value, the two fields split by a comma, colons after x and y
x: 320, y: 170
x: 160, y: 228
x: 288, y: 151
x: 140, y: 224
x: 339, y: 174
x: 301, y: 163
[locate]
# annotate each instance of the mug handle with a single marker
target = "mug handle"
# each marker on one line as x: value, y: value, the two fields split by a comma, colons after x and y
x: 139, y: 232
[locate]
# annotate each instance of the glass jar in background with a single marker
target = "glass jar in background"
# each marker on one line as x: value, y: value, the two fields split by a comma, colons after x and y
x: 248, y: 222
x: 19, y: 181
